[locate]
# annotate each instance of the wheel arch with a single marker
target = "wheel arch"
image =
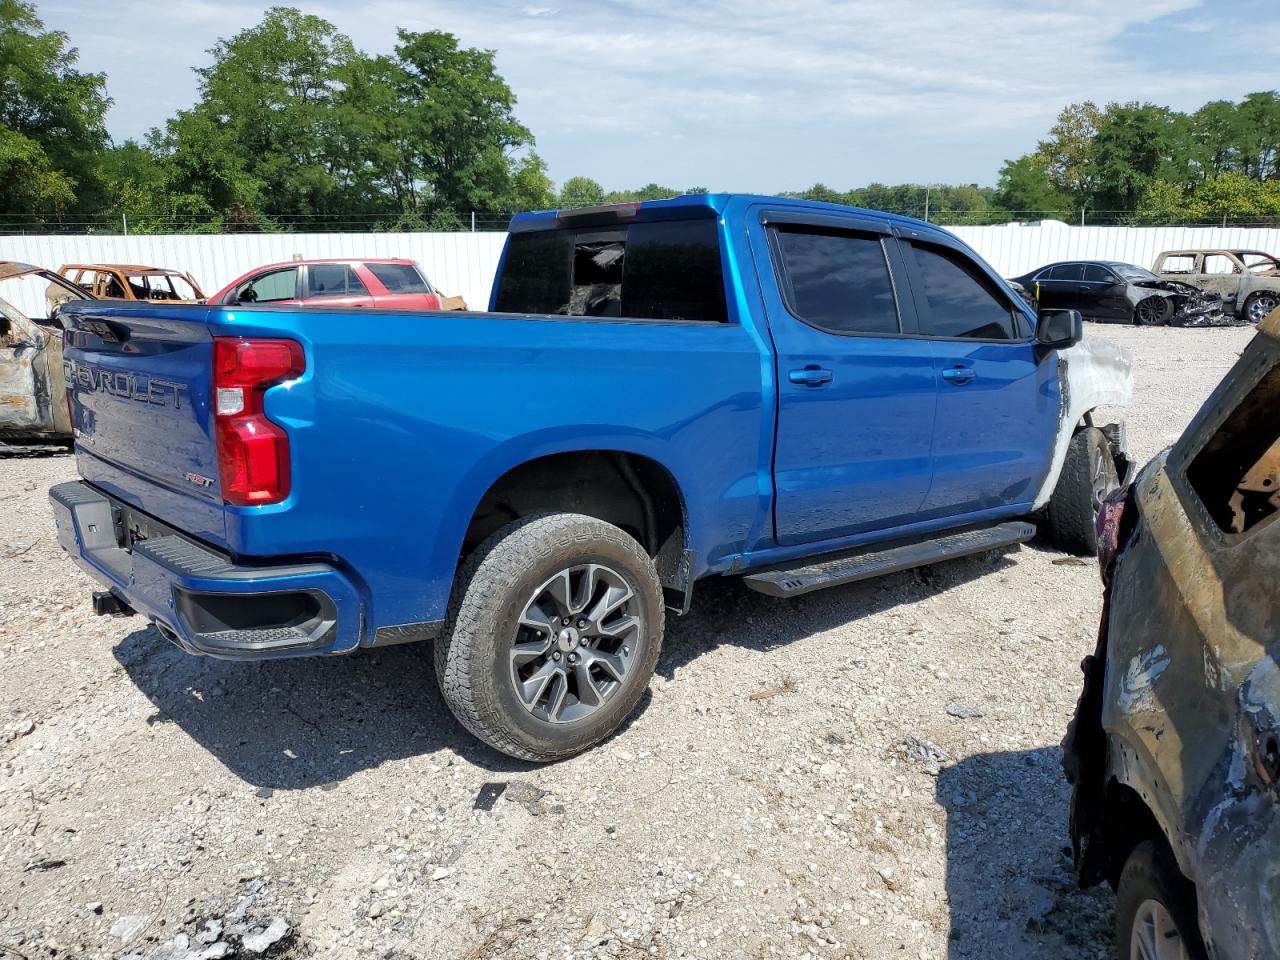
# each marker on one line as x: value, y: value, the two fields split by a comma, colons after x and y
x: 628, y: 485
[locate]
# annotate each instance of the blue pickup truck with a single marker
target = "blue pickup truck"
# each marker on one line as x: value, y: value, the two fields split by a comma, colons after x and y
x: 795, y: 393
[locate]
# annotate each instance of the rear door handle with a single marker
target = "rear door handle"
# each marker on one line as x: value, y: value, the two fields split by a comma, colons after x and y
x: 810, y: 376
x: 958, y: 374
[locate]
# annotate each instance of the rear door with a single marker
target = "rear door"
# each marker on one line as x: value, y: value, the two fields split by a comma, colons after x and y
x: 856, y: 388
x: 998, y: 399
x: 1059, y: 286
x: 336, y: 285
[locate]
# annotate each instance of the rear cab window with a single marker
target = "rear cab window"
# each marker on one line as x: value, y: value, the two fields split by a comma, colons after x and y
x: 656, y: 270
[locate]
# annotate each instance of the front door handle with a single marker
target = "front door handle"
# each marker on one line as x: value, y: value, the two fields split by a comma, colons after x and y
x: 958, y: 375
x: 810, y: 376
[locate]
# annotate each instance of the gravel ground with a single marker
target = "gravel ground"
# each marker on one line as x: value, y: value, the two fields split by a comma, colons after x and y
x: 870, y: 771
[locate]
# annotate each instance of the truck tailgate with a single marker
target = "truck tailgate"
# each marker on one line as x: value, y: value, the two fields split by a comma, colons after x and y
x: 139, y: 384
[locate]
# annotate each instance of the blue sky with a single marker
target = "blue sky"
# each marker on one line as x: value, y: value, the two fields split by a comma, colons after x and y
x: 749, y: 95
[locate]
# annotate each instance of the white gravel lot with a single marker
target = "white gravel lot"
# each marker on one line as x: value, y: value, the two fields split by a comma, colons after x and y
x: 160, y: 805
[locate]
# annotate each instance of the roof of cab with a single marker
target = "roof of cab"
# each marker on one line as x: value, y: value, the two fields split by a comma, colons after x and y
x: 717, y: 202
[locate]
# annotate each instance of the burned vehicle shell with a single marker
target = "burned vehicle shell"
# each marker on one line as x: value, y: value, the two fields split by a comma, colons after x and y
x: 1176, y: 738
x: 32, y: 396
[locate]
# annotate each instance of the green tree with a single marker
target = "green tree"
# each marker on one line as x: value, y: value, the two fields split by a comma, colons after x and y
x: 531, y: 188
x: 459, y: 121
x: 1135, y: 144
x: 1027, y: 190
x: 1162, y: 203
x: 580, y: 192
x: 1067, y: 151
x: 51, y: 119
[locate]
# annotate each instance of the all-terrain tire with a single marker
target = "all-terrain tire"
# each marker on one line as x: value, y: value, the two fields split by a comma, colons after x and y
x: 1088, y: 476
x: 1259, y: 305
x: 1151, y: 875
x: 473, y: 655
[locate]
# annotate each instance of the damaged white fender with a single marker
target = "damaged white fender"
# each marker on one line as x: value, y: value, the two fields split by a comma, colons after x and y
x: 1094, y: 373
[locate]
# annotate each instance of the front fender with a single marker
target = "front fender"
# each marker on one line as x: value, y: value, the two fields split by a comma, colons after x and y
x: 1094, y: 373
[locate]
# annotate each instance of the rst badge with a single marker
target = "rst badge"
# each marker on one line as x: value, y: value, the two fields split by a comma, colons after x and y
x: 198, y: 480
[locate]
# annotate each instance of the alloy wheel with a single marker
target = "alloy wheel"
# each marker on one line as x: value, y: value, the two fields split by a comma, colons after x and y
x: 578, y: 635
x: 1260, y: 307
x: 1155, y: 936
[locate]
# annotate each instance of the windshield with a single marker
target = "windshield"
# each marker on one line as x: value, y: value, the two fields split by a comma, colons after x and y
x: 1130, y: 272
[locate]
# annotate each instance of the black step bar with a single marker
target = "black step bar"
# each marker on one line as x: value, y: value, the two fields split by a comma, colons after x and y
x: 848, y: 567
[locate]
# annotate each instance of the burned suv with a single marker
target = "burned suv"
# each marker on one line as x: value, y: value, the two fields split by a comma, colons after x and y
x: 1174, y: 752
x: 1247, y: 280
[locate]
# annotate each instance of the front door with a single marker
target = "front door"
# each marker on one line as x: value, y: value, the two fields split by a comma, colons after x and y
x: 1104, y: 295
x: 856, y: 389
x: 998, y: 395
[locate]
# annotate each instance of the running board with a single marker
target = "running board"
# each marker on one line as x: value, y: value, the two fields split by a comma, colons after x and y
x: 848, y: 567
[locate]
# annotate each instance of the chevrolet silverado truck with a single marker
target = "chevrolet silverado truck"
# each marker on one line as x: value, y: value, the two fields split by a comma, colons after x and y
x: 795, y: 393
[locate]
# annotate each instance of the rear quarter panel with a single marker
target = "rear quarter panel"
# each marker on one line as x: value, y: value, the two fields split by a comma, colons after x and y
x: 403, y: 421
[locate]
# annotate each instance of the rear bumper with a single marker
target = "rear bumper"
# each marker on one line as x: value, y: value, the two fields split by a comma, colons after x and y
x: 200, y: 599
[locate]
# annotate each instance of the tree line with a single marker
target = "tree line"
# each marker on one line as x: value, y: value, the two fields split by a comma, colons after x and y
x: 295, y: 128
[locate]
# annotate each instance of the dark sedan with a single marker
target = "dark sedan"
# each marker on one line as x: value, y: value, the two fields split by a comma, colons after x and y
x: 1115, y: 292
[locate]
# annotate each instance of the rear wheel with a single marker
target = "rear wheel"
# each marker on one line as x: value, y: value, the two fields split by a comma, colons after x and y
x: 1259, y: 305
x: 1156, y: 908
x: 1088, y: 477
x: 552, y: 636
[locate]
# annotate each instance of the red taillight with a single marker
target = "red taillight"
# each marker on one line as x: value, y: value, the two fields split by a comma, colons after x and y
x: 253, y: 452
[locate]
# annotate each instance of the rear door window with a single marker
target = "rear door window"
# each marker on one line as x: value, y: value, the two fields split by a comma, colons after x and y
x: 837, y: 281
x: 399, y: 277
x: 333, y: 280
x: 665, y: 270
x: 1067, y: 271
x: 955, y: 300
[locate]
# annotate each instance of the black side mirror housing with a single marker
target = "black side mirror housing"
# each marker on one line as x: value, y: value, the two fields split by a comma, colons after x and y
x: 1059, y: 329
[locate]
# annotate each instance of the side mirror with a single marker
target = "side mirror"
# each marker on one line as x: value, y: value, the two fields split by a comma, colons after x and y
x: 1059, y: 329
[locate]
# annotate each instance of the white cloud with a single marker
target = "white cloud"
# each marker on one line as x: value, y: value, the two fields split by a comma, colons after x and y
x: 751, y: 94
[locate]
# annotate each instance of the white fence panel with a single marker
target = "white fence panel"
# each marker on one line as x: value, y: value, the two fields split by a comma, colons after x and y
x: 465, y: 263
x: 459, y: 264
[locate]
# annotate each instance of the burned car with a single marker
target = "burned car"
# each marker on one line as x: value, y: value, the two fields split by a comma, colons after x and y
x: 1174, y: 751
x: 1113, y: 292
x: 32, y: 397
x: 122, y: 281
x: 1247, y: 280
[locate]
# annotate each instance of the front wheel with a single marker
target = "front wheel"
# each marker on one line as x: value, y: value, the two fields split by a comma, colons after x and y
x: 552, y: 636
x: 1259, y: 305
x: 1088, y: 477
x: 1152, y: 312
x: 1156, y: 908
